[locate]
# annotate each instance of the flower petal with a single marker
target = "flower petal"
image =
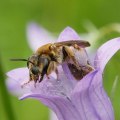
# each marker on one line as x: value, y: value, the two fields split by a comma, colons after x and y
x: 61, y: 106
x: 15, y: 79
x: 90, y: 98
x: 38, y: 36
x: 54, y: 87
x: 68, y: 34
x: 19, y: 74
x: 51, y: 86
x: 15, y: 88
x: 105, y: 52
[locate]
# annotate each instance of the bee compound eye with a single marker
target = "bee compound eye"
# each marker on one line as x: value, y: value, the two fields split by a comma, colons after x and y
x: 35, y: 70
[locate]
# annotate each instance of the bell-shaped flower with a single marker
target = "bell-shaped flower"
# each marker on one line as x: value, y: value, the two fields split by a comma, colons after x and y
x: 69, y: 98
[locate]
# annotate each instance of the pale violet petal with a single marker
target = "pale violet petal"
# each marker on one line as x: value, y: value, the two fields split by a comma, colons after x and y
x: 54, y: 87
x: 68, y: 34
x: 16, y: 78
x: 88, y: 100
x: 38, y: 36
x: 63, y: 107
x: 105, y: 52
x: 19, y: 74
x: 91, y: 100
x: 15, y: 88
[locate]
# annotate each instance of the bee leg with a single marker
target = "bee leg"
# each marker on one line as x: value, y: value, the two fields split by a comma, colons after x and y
x: 24, y: 84
x: 41, y: 78
x: 57, y: 73
x: 35, y: 81
x: 87, y: 69
x: 90, y: 68
x: 52, y: 67
x: 71, y: 56
x: 48, y: 76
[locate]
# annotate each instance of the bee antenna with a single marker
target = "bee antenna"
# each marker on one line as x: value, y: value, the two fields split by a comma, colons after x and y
x: 14, y: 59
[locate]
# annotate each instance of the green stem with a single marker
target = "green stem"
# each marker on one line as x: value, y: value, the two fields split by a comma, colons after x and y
x: 5, y: 96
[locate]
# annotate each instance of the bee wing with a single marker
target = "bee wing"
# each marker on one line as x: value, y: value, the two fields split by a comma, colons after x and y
x: 81, y: 43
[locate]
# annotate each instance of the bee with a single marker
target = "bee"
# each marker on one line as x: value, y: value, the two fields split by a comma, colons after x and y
x: 47, y: 57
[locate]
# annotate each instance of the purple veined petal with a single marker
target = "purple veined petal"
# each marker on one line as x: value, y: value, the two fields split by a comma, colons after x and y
x: 105, y: 52
x: 19, y: 73
x: 51, y: 86
x: 63, y: 107
x: 69, y: 75
x: 91, y: 100
x: 68, y: 34
x: 38, y: 36
x: 15, y: 79
x: 15, y: 88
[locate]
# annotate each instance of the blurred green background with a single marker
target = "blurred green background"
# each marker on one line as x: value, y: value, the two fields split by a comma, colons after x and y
x: 54, y: 15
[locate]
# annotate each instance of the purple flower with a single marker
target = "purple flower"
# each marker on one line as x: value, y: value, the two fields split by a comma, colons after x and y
x: 70, y: 99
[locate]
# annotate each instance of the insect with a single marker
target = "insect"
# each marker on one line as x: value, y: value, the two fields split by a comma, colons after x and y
x: 47, y: 57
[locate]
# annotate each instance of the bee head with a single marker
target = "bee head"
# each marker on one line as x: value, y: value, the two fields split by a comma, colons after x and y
x: 38, y: 67
x: 38, y: 64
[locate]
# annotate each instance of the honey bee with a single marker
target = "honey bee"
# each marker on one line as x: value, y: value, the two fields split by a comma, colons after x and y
x: 47, y: 57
